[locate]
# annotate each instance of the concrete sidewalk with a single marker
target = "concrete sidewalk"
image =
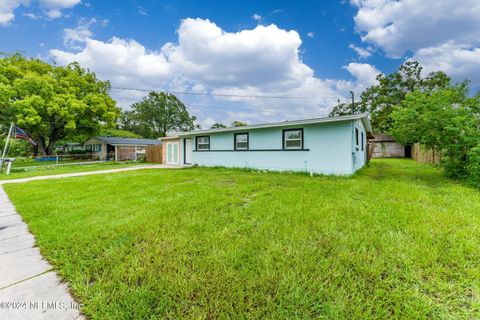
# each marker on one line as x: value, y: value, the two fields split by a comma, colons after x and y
x: 80, y: 174
x: 29, y: 288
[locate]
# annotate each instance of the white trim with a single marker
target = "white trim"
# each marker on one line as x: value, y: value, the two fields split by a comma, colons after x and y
x: 362, y: 116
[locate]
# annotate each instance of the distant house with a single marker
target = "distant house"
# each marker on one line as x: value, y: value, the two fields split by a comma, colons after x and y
x: 70, y: 147
x: 331, y: 145
x: 115, y: 148
x: 385, y: 146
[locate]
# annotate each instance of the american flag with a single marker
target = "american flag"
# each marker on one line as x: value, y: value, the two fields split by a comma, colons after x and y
x: 21, y: 134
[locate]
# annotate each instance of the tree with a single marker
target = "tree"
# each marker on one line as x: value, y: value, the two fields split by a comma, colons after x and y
x: 344, y: 109
x: 110, y: 132
x: 446, y: 121
x: 126, y: 121
x: 218, y: 125
x: 53, y: 102
x: 379, y: 100
x: 237, y: 123
x: 159, y: 113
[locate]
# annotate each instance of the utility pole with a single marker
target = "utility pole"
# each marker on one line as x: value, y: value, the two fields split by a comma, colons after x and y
x: 353, y: 101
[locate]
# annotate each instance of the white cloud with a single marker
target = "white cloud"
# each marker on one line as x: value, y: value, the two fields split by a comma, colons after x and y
x: 30, y: 15
x: 54, y: 7
x: 460, y: 62
x: 257, y: 17
x: 311, y: 34
x: 442, y: 35
x: 74, y: 38
x: 401, y: 25
x: 142, y: 11
x: 362, y: 52
x: 364, y: 73
x: 7, y: 9
x: 263, y: 61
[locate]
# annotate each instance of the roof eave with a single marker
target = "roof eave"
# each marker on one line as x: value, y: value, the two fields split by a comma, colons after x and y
x: 363, y: 116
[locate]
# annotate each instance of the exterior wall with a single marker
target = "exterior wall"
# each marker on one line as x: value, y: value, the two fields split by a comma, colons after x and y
x: 165, y: 142
x: 388, y: 149
x: 359, y: 152
x: 126, y: 153
x: 102, y: 154
x: 329, y: 150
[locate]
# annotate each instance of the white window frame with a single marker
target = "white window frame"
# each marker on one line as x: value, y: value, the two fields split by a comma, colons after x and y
x: 236, y: 142
x: 285, y: 140
x: 197, y: 143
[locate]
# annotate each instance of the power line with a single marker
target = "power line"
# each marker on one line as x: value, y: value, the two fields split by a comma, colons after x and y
x: 243, y: 109
x: 223, y: 94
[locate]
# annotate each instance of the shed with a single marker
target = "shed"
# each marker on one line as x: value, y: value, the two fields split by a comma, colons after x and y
x: 116, y: 148
x: 385, y: 146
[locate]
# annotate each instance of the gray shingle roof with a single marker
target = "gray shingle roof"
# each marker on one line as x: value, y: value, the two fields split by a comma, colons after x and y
x: 132, y: 141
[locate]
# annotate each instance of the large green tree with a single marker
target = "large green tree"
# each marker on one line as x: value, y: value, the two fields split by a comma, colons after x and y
x: 379, y: 100
x: 157, y: 114
x: 446, y: 121
x: 53, y: 102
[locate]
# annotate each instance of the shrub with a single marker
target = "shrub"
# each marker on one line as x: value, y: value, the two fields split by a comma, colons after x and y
x: 473, y: 166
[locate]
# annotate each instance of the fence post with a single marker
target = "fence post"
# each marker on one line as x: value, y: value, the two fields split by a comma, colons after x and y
x: 9, y: 166
x: 57, y: 159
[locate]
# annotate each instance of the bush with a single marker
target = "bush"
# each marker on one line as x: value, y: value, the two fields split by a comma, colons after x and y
x: 473, y: 166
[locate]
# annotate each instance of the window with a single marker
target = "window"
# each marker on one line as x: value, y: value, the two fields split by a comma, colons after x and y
x: 203, y: 143
x: 94, y: 147
x: 362, y: 141
x: 293, y: 139
x: 241, y: 141
x: 356, y: 138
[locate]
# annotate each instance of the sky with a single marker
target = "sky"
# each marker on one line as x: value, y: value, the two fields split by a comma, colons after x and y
x: 251, y: 60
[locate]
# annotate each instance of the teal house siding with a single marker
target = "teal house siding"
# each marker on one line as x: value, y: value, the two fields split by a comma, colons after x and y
x: 329, y: 147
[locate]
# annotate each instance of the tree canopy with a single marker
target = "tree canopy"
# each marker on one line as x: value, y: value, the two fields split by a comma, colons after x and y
x: 218, y: 125
x: 157, y: 114
x: 238, y: 123
x: 53, y: 102
x: 446, y: 121
x: 379, y: 100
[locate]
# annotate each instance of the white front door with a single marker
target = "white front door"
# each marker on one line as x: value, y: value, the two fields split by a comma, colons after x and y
x: 188, y: 151
x: 172, y: 153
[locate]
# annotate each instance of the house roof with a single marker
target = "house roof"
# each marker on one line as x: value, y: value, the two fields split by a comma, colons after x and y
x: 130, y: 141
x: 362, y: 116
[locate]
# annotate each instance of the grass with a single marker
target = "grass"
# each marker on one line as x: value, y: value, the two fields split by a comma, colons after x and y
x: 47, y: 170
x: 397, y: 240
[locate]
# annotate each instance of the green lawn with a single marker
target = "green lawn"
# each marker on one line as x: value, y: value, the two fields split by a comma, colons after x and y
x: 46, y: 170
x: 397, y: 240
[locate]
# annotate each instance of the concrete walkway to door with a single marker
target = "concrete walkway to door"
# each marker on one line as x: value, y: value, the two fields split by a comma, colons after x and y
x: 29, y: 287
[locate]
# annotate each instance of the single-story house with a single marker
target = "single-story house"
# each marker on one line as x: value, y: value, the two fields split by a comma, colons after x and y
x: 330, y: 145
x: 115, y: 148
x: 385, y: 146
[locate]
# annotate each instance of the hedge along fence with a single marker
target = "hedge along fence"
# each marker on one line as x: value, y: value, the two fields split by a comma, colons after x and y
x: 473, y: 166
x: 424, y: 155
x: 153, y: 153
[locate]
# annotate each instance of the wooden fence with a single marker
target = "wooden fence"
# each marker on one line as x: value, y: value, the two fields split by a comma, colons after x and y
x: 153, y: 153
x: 423, y: 155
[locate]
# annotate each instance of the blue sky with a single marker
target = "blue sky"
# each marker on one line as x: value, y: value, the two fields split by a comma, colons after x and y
x: 316, y: 51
